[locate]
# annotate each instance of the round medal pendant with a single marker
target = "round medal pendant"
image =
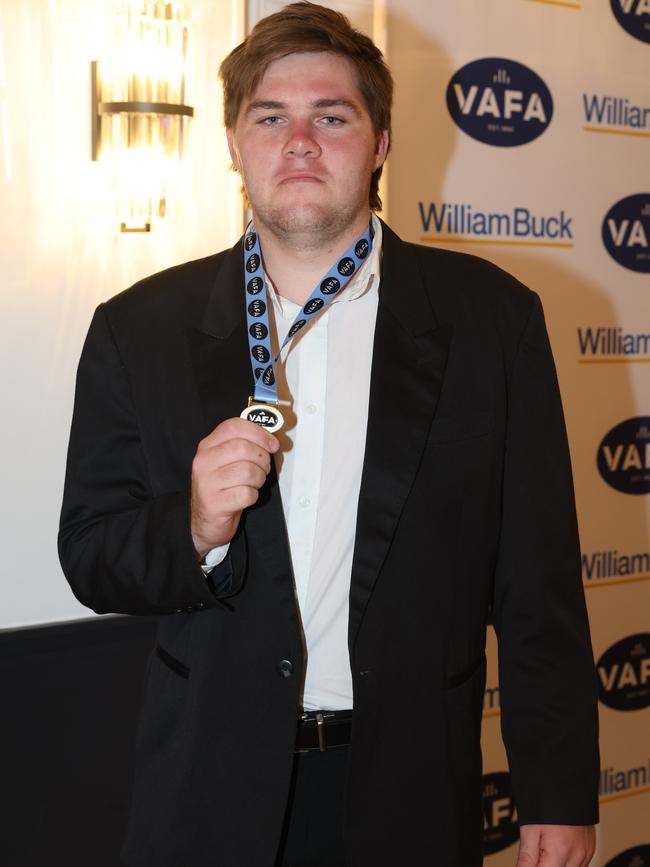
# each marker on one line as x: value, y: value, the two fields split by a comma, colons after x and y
x: 266, y: 416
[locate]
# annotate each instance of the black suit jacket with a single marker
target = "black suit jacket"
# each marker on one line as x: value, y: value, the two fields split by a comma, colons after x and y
x: 466, y: 507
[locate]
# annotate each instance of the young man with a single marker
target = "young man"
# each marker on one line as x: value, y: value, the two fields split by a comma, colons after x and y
x: 315, y: 696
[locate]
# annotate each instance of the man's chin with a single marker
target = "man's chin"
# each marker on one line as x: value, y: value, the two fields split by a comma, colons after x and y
x: 300, y: 220
x: 307, y: 224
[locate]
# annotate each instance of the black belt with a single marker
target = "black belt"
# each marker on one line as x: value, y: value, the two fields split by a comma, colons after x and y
x: 323, y: 729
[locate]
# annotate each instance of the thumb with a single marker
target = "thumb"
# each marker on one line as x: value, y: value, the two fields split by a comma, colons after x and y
x: 529, y: 845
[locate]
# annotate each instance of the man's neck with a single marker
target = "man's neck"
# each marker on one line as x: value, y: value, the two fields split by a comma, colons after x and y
x: 296, y: 265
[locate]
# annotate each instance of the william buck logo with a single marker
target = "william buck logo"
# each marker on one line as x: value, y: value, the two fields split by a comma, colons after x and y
x: 626, y: 232
x: 633, y: 16
x: 639, y: 856
x: 631, y: 780
x: 624, y: 673
x: 624, y: 456
x: 500, y: 824
x: 499, y: 102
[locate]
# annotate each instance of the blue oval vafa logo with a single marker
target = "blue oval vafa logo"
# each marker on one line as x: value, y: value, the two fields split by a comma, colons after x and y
x: 638, y: 856
x: 499, y: 102
x: 500, y: 823
x: 624, y: 673
x: 626, y: 232
x: 634, y: 17
x: 624, y: 456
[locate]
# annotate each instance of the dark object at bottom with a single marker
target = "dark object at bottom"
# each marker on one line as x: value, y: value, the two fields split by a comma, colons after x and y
x: 71, y: 695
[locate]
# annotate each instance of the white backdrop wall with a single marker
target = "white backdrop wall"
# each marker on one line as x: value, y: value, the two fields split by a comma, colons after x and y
x: 61, y: 254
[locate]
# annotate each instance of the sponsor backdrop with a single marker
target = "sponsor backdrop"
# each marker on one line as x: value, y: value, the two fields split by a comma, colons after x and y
x: 513, y: 144
x: 522, y: 134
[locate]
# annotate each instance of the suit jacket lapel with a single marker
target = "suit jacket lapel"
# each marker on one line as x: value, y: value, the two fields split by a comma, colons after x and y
x: 409, y: 358
x: 219, y: 353
x: 219, y: 347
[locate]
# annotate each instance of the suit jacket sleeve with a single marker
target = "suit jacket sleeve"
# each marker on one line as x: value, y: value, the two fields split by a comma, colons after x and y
x: 547, y: 681
x: 121, y: 548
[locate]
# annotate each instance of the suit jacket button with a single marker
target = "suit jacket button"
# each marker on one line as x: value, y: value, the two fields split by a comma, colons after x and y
x: 284, y: 668
x: 200, y: 605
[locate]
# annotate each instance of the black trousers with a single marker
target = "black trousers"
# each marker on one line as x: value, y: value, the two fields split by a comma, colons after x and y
x: 312, y: 835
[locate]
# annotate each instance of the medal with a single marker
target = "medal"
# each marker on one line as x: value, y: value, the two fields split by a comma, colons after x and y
x: 262, y: 407
x: 264, y: 414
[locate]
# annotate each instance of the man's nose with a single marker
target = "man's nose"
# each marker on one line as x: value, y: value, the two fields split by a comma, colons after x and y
x: 301, y: 141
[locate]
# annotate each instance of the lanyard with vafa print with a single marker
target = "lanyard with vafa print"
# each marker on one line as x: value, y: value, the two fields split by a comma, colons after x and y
x: 263, y: 404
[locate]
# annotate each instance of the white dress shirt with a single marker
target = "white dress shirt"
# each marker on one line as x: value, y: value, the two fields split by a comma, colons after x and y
x: 326, y: 378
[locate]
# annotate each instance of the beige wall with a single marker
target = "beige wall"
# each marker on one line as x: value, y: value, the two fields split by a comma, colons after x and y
x: 61, y: 253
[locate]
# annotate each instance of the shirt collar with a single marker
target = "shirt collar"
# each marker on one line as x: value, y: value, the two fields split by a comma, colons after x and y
x: 365, y: 280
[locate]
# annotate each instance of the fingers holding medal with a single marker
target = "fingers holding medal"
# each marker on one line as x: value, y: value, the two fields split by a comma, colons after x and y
x: 230, y: 466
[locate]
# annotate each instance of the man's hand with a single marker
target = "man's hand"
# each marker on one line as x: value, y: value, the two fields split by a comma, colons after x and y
x: 556, y: 845
x: 230, y: 466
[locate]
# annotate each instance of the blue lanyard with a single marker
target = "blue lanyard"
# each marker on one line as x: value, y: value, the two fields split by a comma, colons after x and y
x: 257, y: 315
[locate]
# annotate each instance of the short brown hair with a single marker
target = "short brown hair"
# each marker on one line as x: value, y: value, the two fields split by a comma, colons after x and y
x: 304, y: 27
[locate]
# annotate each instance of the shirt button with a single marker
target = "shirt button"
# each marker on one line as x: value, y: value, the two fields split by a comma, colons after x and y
x: 304, y: 502
x: 311, y: 408
x: 284, y: 668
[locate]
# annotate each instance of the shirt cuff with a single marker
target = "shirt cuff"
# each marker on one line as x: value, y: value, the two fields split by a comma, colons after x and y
x: 214, y: 557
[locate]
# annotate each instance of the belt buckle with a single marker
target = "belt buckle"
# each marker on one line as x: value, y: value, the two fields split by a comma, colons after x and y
x: 320, y: 727
x: 319, y: 718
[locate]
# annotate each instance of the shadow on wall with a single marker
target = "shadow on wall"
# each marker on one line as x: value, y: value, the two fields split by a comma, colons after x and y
x: 596, y: 397
x: 422, y: 68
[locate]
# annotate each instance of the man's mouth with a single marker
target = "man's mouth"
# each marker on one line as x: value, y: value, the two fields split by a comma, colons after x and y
x: 300, y: 178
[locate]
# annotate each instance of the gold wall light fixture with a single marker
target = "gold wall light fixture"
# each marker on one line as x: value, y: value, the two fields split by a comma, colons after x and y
x: 140, y: 119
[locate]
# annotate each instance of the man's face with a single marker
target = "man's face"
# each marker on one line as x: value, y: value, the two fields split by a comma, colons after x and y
x: 305, y: 147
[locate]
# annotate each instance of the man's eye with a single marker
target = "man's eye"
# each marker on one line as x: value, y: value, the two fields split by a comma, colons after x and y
x: 272, y: 120
x: 331, y: 120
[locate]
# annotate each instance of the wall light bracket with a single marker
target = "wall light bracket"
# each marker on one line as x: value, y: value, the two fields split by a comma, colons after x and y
x: 139, y: 115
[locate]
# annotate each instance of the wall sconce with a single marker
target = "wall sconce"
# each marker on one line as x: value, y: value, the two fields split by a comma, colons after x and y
x: 139, y: 117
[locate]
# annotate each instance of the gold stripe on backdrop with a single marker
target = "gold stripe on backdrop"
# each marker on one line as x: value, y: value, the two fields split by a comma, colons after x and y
x: 614, y: 360
x: 564, y: 3
x: 629, y: 794
x: 452, y: 240
x: 610, y: 582
x: 616, y: 131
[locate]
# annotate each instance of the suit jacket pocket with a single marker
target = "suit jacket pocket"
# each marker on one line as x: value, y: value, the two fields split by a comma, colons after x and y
x: 462, y: 426
x: 463, y: 703
x: 463, y: 698
x: 171, y: 662
x: 461, y: 677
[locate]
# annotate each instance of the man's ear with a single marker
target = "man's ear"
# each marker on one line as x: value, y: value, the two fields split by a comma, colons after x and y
x: 232, y: 148
x: 381, y: 148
